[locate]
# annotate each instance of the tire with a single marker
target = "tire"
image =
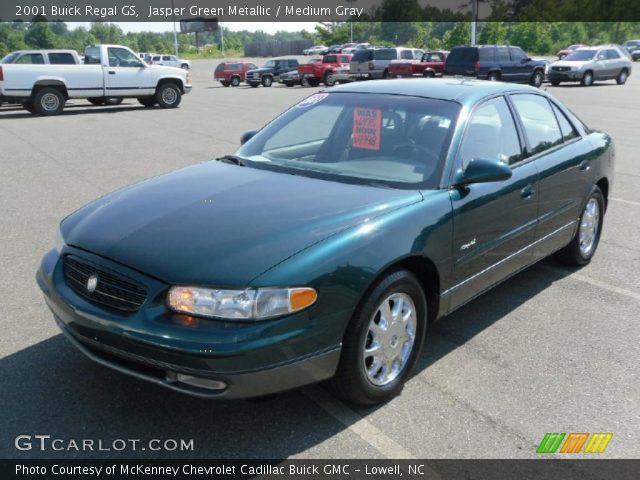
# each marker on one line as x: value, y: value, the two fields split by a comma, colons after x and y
x: 267, y: 81
x: 304, y: 81
x: 385, y: 74
x: 184, y: 66
x: 168, y: 95
x: 555, y: 83
x: 328, y: 79
x: 97, y: 100
x: 585, y: 242
x: 49, y: 101
x: 537, y: 78
x: 147, y: 101
x: 362, y: 377
x: 235, y: 81
x: 493, y: 77
x: 113, y: 100
x: 28, y: 106
x: 428, y: 74
x: 254, y: 85
x: 587, y: 79
x: 225, y: 83
x: 622, y: 77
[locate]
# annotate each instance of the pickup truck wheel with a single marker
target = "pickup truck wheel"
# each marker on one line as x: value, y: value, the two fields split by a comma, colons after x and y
x: 147, y: 101
x: 113, y: 100
x: 28, y: 106
x: 96, y: 101
x: 267, y: 80
x: 383, y: 341
x: 49, y: 101
x: 168, y: 95
x: 235, y: 81
x: 329, y: 79
x: 314, y: 82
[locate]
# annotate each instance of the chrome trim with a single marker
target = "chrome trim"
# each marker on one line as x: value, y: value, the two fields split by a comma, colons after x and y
x: 490, y: 267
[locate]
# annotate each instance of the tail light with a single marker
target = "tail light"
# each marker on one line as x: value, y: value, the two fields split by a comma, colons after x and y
x: 370, y: 66
x: 476, y: 67
x: 1, y: 74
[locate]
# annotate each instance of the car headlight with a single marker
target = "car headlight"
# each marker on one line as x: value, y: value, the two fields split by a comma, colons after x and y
x: 249, y: 304
x: 59, y: 242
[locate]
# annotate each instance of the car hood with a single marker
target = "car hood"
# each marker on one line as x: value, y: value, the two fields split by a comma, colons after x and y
x: 568, y: 63
x: 220, y: 224
x: 260, y: 70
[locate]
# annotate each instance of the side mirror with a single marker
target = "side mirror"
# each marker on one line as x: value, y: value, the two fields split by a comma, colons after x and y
x: 481, y: 170
x: 525, y: 60
x: 246, y: 136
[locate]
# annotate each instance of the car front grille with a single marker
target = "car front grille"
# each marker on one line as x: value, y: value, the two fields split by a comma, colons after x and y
x: 110, y: 289
x: 560, y: 69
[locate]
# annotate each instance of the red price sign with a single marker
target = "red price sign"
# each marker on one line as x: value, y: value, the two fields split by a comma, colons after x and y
x: 367, y: 123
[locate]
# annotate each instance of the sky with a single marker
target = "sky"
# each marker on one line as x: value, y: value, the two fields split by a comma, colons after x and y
x: 268, y: 27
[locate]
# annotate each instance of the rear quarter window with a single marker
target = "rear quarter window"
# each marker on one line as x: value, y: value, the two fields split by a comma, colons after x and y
x: 463, y: 55
x: 385, y: 54
x: 362, y: 56
x: 61, y: 59
x: 539, y: 121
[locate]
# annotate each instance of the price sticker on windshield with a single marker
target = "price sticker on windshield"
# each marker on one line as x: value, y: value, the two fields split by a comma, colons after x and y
x: 367, y: 124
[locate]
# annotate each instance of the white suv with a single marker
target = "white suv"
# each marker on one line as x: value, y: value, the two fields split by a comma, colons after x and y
x: 170, y: 61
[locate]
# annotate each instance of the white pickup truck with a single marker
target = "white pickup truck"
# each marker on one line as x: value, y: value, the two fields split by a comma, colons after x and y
x: 109, y: 71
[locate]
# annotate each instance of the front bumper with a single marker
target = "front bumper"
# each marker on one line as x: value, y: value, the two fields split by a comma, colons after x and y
x: 187, y: 88
x: 568, y: 76
x: 207, y: 359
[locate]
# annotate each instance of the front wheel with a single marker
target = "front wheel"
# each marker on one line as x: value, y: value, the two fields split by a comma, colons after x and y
x: 383, y: 341
x: 585, y: 242
x: 49, y: 101
x: 587, y: 79
x: 537, y: 79
x: 267, y: 81
x: 184, y: 66
x: 168, y: 95
x: 235, y: 81
x: 329, y: 79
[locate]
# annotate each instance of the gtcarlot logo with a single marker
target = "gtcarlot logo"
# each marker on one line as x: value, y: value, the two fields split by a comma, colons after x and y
x: 45, y: 443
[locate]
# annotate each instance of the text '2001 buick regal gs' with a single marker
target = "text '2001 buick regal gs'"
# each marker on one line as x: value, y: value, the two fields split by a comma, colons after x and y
x: 323, y: 253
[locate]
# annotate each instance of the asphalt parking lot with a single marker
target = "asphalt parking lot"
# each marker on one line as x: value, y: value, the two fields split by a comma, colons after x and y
x: 551, y: 350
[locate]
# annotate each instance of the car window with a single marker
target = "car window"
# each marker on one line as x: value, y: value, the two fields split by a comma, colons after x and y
x: 417, y: 54
x: 580, y: 55
x: 406, y: 55
x: 568, y: 131
x: 156, y: 58
x: 362, y: 55
x: 491, y: 135
x: 220, y: 68
x: 61, y: 59
x: 252, y: 66
x: 31, y: 59
x: 432, y: 57
x: 503, y: 55
x: 517, y: 54
x: 612, y: 54
x: 330, y: 59
x: 602, y: 55
x: 120, y: 57
x: 344, y: 59
x: 92, y: 56
x: 539, y: 121
x: 486, y: 54
x: 358, y: 137
x: 385, y: 54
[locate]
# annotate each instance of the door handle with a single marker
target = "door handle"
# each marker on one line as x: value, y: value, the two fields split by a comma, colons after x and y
x: 584, y: 165
x: 527, y: 192
x: 112, y: 72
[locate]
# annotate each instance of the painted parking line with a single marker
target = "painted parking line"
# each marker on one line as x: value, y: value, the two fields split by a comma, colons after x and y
x: 364, y: 429
x: 591, y: 281
x: 630, y: 202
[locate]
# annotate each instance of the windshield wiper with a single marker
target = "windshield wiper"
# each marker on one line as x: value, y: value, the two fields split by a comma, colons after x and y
x: 232, y: 159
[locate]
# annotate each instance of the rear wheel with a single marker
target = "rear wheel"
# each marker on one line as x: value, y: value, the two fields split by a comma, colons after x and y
x: 383, y: 341
x: 147, y: 101
x: 113, y: 100
x: 587, y: 79
x: 493, y: 77
x: 385, y: 74
x: 168, y: 95
x: 28, y: 106
x: 49, y: 101
x: 225, y: 83
x: 622, y: 77
x: 235, y: 81
x: 585, y: 242
x: 428, y: 74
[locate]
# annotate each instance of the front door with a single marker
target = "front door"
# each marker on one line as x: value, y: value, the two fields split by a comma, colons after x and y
x: 126, y: 75
x: 494, y: 223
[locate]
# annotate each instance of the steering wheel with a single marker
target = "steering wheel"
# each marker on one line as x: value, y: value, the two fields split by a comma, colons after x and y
x: 419, y: 155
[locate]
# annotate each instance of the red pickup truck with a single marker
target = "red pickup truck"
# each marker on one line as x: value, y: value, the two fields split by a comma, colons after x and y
x: 311, y: 74
x: 430, y: 65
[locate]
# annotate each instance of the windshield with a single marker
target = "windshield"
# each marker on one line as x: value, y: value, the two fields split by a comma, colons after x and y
x: 9, y: 58
x: 270, y: 64
x: 385, y: 140
x: 580, y: 55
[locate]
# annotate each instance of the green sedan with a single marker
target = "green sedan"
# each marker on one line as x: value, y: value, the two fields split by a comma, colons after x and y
x: 326, y: 245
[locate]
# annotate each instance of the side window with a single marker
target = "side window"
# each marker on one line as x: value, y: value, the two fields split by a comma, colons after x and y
x: 31, y: 59
x: 344, y: 59
x: 252, y: 66
x: 156, y: 58
x: 539, y: 122
x: 119, y: 57
x: 166, y: 58
x: 568, y: 131
x: 92, y: 56
x: 61, y: 59
x: 503, y: 55
x: 612, y: 54
x: 602, y: 55
x: 517, y: 54
x: 491, y: 134
x: 406, y: 55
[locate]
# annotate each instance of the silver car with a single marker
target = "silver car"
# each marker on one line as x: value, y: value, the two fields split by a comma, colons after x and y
x: 374, y: 62
x: 589, y: 64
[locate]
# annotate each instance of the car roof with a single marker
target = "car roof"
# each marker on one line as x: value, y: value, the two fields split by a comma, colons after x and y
x: 461, y: 90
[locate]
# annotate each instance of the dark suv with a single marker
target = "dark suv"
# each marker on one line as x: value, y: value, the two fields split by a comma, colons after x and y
x: 495, y: 62
x: 270, y: 71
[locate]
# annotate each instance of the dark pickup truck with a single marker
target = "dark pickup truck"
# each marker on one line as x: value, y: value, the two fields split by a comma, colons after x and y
x: 270, y: 71
x: 311, y: 74
x: 495, y: 62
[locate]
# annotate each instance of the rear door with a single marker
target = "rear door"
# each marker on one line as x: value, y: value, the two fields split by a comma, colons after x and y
x: 494, y: 223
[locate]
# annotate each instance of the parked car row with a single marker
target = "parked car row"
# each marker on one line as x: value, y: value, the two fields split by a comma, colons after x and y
x: 165, y: 60
x: 338, y: 48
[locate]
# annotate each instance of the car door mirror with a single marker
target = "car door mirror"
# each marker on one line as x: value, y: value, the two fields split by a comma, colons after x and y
x: 246, y: 136
x: 481, y: 170
x: 525, y: 60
